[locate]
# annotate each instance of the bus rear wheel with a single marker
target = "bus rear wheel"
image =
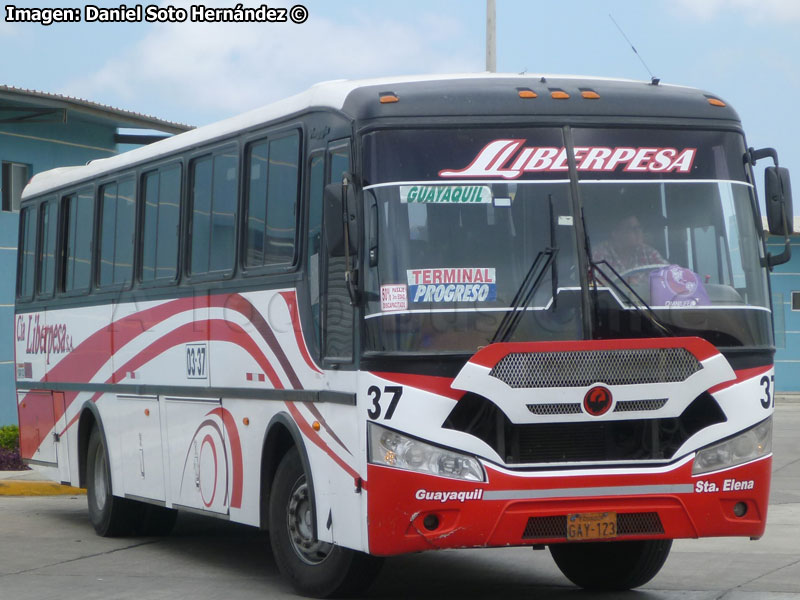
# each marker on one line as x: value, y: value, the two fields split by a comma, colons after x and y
x: 314, y: 568
x: 611, y: 565
x: 110, y: 515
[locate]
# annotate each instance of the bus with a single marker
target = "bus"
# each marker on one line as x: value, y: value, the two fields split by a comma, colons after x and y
x: 396, y: 315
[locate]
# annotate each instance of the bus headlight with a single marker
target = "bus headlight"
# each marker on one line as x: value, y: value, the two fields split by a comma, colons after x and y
x: 748, y: 445
x: 393, y: 449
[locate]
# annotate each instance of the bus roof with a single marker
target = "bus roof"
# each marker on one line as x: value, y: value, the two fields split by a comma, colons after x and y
x: 430, y: 95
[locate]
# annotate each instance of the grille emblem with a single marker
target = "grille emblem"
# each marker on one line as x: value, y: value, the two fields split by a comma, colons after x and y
x: 597, y: 401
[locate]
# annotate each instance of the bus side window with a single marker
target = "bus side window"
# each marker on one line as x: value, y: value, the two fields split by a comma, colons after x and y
x: 161, y: 197
x: 27, y: 254
x: 339, y: 156
x: 117, y: 220
x: 338, y: 318
x: 214, y: 189
x: 316, y: 185
x: 282, y: 200
x: 78, y: 240
x: 48, y: 232
x: 272, y: 201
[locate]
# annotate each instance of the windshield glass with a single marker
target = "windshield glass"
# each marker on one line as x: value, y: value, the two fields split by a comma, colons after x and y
x: 683, y: 239
x: 467, y: 225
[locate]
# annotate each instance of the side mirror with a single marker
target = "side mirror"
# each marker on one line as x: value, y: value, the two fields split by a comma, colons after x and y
x: 338, y: 212
x: 778, y: 187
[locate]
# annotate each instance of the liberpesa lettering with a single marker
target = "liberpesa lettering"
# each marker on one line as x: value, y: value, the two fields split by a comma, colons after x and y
x: 509, y: 159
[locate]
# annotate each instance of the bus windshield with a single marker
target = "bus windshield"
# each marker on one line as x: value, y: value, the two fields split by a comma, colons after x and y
x: 459, y: 218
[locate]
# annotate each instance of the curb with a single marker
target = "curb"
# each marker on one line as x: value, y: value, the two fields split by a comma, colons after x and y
x: 37, y: 488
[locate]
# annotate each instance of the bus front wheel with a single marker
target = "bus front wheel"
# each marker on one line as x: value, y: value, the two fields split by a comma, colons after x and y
x: 110, y: 515
x: 611, y: 565
x: 313, y: 567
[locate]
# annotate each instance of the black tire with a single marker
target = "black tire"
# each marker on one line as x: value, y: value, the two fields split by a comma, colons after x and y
x: 611, y: 565
x: 110, y: 515
x: 314, y: 568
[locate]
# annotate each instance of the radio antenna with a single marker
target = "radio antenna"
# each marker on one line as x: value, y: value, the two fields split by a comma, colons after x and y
x: 653, y: 79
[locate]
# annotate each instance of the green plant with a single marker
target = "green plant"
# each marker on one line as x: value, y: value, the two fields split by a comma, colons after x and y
x: 9, y: 437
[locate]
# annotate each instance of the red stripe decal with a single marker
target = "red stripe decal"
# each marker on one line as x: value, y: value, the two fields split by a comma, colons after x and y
x: 213, y: 330
x: 216, y: 330
x: 208, y: 440
x: 236, y: 454
x: 314, y: 437
x: 86, y: 359
x: 318, y: 416
x: 428, y: 383
x: 291, y: 303
x: 245, y: 307
x: 741, y: 375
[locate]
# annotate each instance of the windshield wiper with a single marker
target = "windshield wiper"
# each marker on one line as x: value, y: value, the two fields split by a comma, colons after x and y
x: 533, y: 279
x: 643, y: 307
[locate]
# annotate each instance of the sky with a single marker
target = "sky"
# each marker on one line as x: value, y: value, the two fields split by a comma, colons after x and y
x: 746, y: 52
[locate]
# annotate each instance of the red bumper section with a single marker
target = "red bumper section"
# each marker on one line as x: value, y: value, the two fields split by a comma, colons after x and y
x: 409, y: 512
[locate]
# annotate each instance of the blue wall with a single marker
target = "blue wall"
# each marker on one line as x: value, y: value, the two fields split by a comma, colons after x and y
x: 9, y: 222
x: 785, y: 279
x: 41, y: 146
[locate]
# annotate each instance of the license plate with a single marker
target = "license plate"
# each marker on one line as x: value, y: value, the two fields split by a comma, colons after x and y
x: 591, y: 526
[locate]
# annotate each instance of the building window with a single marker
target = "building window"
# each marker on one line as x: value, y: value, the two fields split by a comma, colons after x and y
x: 795, y: 300
x: 14, y: 178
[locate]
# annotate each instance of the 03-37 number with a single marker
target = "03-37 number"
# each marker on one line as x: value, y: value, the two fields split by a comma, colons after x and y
x: 375, y: 394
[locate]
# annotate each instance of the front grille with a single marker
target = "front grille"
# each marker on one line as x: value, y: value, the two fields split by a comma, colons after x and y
x: 636, y: 366
x: 639, y: 405
x: 582, y: 441
x: 555, y: 409
x: 574, y: 408
x: 639, y: 524
x: 555, y: 527
x: 545, y: 528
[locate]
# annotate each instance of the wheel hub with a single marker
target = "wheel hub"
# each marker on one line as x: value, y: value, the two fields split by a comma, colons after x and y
x: 100, y: 493
x: 301, y: 530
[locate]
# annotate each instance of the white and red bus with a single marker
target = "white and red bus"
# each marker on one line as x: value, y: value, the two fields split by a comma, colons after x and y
x: 407, y: 314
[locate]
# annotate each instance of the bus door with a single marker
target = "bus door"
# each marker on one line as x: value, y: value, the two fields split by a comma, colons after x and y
x: 200, y: 467
x: 141, y: 446
x: 37, y: 414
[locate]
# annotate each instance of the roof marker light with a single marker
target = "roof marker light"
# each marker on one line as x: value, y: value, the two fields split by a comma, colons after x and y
x: 527, y: 93
x: 716, y: 102
x: 590, y: 94
x: 388, y: 98
x: 559, y: 94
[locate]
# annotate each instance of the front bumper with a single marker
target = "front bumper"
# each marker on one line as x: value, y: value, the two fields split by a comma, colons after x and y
x: 409, y: 512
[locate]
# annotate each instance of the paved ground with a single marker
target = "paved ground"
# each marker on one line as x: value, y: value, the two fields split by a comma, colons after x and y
x: 49, y: 550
